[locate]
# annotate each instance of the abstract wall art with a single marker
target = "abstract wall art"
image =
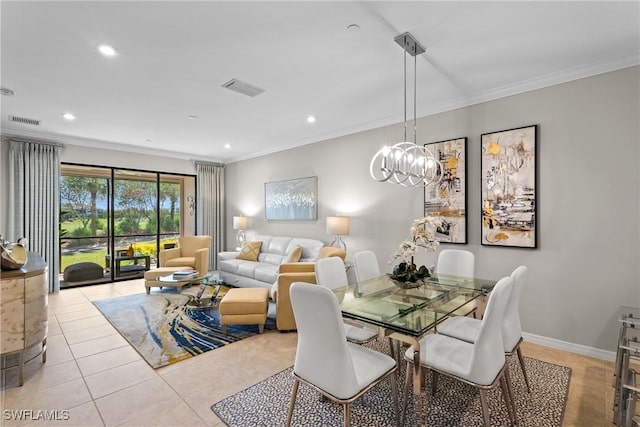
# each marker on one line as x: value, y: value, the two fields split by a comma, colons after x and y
x: 294, y: 199
x: 509, y: 188
x: 448, y: 199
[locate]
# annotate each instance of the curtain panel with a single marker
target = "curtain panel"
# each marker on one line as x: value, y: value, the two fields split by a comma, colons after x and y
x: 210, y: 207
x: 34, y: 199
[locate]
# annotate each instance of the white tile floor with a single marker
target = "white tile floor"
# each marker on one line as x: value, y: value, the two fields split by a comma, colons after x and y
x: 95, y: 375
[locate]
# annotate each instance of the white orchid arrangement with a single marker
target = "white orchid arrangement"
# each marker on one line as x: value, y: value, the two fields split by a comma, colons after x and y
x: 422, y: 236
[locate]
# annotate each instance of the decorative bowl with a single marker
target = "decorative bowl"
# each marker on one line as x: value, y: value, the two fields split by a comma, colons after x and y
x: 13, y: 259
x: 406, y: 285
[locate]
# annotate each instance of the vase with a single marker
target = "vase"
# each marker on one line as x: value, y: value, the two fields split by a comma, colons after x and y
x: 405, y: 284
x: 14, y: 258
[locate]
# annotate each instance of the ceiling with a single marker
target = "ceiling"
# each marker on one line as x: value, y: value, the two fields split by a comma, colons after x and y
x: 173, y: 58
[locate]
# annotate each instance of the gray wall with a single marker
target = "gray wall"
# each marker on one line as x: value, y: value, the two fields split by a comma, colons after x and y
x: 588, y: 256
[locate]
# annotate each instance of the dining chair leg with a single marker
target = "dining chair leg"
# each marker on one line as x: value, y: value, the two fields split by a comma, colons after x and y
x: 407, y: 385
x: 434, y: 382
x: 347, y: 415
x: 524, y: 371
x: 292, y: 403
x: 394, y: 389
x: 485, y: 407
x: 507, y: 399
x: 392, y: 351
x: 507, y: 378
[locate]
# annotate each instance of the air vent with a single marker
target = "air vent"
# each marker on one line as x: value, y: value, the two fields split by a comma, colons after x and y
x: 24, y: 120
x: 243, y: 88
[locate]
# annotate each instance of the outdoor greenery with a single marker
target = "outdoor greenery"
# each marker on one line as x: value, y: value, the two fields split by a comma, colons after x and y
x: 98, y: 255
x: 84, y: 216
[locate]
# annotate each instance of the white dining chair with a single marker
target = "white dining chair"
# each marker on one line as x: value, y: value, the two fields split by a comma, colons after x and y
x: 325, y: 361
x: 480, y: 364
x: 468, y: 329
x: 331, y: 274
x: 456, y: 262
x: 365, y: 264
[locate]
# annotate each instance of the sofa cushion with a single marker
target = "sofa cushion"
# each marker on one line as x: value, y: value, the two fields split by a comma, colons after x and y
x: 230, y: 265
x: 250, y: 251
x: 310, y: 248
x: 247, y: 268
x: 266, y: 241
x: 267, y: 273
x: 273, y: 259
x: 278, y: 245
x: 294, y: 255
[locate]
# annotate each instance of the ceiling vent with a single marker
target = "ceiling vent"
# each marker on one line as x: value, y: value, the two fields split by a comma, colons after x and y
x: 243, y: 88
x: 24, y: 120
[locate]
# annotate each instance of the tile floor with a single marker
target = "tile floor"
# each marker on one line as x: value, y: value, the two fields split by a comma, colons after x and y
x: 94, y: 374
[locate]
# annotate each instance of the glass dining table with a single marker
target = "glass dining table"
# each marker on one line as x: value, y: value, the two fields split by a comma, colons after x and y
x: 407, y: 315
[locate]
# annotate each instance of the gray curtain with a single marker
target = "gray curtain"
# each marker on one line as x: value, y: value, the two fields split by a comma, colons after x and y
x: 34, y: 200
x: 210, y: 206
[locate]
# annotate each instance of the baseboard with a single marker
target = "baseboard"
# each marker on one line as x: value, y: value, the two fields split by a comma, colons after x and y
x: 573, y: 348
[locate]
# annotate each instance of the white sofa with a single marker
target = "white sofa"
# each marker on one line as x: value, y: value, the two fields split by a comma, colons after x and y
x: 275, y: 250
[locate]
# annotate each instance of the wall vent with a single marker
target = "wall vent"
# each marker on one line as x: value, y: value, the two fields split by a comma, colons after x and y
x: 243, y: 88
x: 24, y: 120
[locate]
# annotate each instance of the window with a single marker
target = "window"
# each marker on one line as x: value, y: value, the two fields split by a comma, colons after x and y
x: 119, y: 219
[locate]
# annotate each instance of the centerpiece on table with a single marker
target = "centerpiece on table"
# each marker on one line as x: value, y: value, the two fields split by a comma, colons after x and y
x: 406, y: 274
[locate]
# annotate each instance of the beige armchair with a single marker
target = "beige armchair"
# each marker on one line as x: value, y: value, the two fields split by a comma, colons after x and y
x: 192, y: 252
x: 295, y: 272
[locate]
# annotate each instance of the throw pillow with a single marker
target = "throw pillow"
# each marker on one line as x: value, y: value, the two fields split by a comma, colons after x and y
x: 294, y: 255
x: 250, y: 251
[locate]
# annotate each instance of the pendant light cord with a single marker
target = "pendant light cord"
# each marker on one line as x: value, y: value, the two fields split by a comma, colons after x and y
x: 415, y: 89
x: 405, y: 89
x: 407, y: 163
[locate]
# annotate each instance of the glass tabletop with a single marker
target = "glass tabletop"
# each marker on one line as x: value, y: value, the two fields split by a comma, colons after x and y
x: 409, y: 311
x: 172, y: 278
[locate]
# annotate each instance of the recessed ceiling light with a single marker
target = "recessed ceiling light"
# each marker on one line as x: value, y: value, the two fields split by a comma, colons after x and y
x: 148, y: 140
x: 353, y: 27
x: 227, y: 146
x: 68, y: 116
x: 107, y: 50
x: 311, y: 119
x: 6, y: 91
x: 192, y: 117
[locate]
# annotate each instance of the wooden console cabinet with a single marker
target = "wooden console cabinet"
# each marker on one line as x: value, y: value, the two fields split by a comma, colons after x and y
x: 23, y: 311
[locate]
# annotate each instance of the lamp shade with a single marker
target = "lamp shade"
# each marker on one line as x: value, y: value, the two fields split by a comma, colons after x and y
x: 338, y: 225
x: 240, y: 222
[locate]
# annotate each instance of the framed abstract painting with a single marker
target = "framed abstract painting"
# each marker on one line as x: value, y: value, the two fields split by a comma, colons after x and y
x: 291, y: 200
x: 448, y: 199
x: 509, y: 188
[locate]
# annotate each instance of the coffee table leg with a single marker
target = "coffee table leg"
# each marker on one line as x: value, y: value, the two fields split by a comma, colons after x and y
x: 200, y: 292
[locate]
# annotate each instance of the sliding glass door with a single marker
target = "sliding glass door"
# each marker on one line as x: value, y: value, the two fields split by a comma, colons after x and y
x: 114, y: 221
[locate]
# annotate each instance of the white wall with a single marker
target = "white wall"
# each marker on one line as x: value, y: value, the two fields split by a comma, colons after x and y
x: 588, y: 259
x: 121, y: 159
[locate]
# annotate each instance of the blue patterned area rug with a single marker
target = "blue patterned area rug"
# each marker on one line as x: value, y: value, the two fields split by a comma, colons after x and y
x: 455, y: 404
x: 164, y: 329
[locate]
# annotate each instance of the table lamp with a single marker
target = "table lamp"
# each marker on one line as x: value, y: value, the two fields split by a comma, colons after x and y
x: 338, y: 226
x: 240, y: 223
